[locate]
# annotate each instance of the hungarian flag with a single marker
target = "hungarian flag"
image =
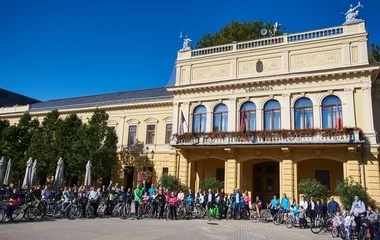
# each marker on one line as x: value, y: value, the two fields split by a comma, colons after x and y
x: 338, y: 120
x: 243, y: 124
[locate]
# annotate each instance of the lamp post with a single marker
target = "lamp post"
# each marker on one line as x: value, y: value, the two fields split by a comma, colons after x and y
x: 146, y: 156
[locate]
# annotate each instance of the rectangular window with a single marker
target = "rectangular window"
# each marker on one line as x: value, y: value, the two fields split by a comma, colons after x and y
x: 168, y: 133
x: 132, y: 135
x: 220, y: 174
x: 323, y: 176
x: 165, y: 171
x: 150, y: 134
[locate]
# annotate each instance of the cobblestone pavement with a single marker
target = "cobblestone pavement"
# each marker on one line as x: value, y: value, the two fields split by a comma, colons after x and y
x: 150, y: 229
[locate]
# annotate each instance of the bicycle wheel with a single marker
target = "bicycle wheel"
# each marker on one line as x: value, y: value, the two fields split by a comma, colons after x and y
x: 316, y: 226
x: 329, y: 224
x: 17, y: 214
x: 2, y: 215
x: 167, y: 212
x: 289, y: 223
x: 277, y: 219
x: 266, y: 216
x: 89, y: 212
x: 181, y: 212
x: 229, y: 214
x: 334, y: 232
x: 32, y: 212
x: 255, y: 217
x: 74, y: 213
x: 124, y: 212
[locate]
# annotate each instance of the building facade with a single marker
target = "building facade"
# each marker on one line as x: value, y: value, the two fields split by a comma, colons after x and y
x: 258, y: 115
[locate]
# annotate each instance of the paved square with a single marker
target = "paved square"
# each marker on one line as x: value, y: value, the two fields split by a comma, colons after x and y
x: 150, y: 229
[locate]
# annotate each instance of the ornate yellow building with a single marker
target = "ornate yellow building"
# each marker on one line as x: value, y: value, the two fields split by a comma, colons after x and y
x: 287, y: 93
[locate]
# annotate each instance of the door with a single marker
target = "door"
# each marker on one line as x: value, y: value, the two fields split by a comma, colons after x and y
x: 128, y: 176
x: 265, y: 181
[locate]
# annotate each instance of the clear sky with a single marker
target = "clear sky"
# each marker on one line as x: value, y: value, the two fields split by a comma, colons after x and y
x: 63, y: 48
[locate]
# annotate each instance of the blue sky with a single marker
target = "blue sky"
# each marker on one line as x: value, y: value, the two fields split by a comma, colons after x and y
x: 63, y: 48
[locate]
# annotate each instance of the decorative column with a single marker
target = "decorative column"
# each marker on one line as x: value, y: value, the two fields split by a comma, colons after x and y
x: 232, y: 115
x: 349, y: 112
x: 259, y: 119
x: 352, y: 165
x: 285, y: 111
x: 372, y: 174
x: 367, y: 107
x: 176, y: 115
x: 230, y: 171
x: 121, y: 131
x: 287, y: 174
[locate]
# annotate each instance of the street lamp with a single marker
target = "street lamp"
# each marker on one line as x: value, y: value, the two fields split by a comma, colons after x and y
x: 147, y: 155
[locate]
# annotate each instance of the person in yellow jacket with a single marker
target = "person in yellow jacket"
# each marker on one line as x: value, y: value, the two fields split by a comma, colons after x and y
x: 111, y: 200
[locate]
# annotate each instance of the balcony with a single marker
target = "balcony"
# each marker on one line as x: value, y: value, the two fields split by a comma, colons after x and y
x: 276, y: 137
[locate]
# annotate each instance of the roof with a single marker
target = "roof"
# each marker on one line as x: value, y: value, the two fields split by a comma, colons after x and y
x: 144, y: 95
x: 10, y: 99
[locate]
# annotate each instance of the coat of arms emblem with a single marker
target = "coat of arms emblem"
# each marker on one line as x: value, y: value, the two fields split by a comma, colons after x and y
x: 259, y: 66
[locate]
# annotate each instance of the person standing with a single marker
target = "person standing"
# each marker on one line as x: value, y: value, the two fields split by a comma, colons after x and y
x: 173, y: 201
x: 137, y: 193
x: 358, y: 209
x: 68, y: 197
x: 372, y: 216
x: 93, y: 197
x: 333, y: 207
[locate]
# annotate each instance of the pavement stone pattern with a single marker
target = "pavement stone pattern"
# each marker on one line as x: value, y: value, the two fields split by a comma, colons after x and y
x: 151, y: 229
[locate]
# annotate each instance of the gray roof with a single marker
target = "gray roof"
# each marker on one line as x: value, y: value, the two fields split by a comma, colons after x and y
x: 144, y: 95
x: 10, y: 99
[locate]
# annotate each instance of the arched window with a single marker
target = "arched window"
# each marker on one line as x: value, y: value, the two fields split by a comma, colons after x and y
x: 331, y: 112
x: 248, y: 117
x: 272, y: 115
x: 303, y: 113
x: 199, y: 119
x: 220, y: 118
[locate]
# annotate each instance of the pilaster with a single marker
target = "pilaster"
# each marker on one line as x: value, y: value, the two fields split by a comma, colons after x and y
x: 367, y: 108
x: 176, y: 116
x: 185, y: 108
x: 231, y: 171
x: 285, y: 111
x: 317, y: 116
x: 352, y: 165
x: 232, y: 114
x: 372, y: 174
x: 349, y: 111
x: 287, y: 174
x: 259, y: 119
x: 121, y: 131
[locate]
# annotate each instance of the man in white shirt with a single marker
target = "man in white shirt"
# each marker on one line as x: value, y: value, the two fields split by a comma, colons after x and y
x: 93, y: 197
x: 357, y: 209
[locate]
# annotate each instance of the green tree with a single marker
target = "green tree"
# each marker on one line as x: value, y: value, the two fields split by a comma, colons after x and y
x: 211, y: 183
x: 17, y: 139
x: 98, y: 143
x: 170, y: 182
x: 235, y: 31
x: 3, y: 125
x: 43, y: 146
x: 374, y: 53
x: 348, y: 189
x: 313, y: 188
x: 66, y: 136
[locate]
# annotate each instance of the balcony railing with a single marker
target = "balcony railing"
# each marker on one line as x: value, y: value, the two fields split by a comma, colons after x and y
x: 286, y: 137
x: 268, y: 42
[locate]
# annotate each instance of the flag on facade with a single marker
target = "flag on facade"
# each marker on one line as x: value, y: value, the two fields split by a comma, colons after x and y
x: 243, y: 124
x: 338, y: 120
x: 182, y: 124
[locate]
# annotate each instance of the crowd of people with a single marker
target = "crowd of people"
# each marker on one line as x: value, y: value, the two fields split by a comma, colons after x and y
x: 160, y: 197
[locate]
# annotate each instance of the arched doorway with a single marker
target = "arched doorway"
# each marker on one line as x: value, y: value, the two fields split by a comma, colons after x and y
x: 266, y: 182
x: 328, y: 172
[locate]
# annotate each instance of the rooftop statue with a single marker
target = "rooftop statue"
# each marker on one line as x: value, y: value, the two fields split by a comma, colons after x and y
x: 353, y: 13
x: 186, y: 44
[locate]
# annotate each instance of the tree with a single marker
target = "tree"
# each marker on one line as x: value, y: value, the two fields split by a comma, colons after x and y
x: 17, y: 139
x: 170, y: 182
x: 211, y: 183
x: 43, y: 146
x: 374, y: 53
x: 235, y: 31
x: 3, y: 125
x: 348, y: 189
x: 313, y: 188
x: 98, y: 143
x: 66, y: 136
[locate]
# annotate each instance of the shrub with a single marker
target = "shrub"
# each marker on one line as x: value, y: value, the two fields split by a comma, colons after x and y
x: 348, y: 189
x: 211, y: 183
x: 313, y: 188
x: 170, y: 182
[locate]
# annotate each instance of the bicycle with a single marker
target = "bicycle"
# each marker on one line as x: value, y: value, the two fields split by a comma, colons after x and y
x: 292, y: 221
x: 26, y: 209
x: 318, y: 224
x: 117, y: 209
x: 279, y: 217
x: 101, y: 209
x: 125, y: 211
x: 71, y: 209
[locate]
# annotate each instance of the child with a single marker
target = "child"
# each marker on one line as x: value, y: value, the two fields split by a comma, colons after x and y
x: 302, y: 216
x: 294, y: 208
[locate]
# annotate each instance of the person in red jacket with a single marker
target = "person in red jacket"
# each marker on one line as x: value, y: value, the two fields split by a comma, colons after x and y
x: 14, y: 201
